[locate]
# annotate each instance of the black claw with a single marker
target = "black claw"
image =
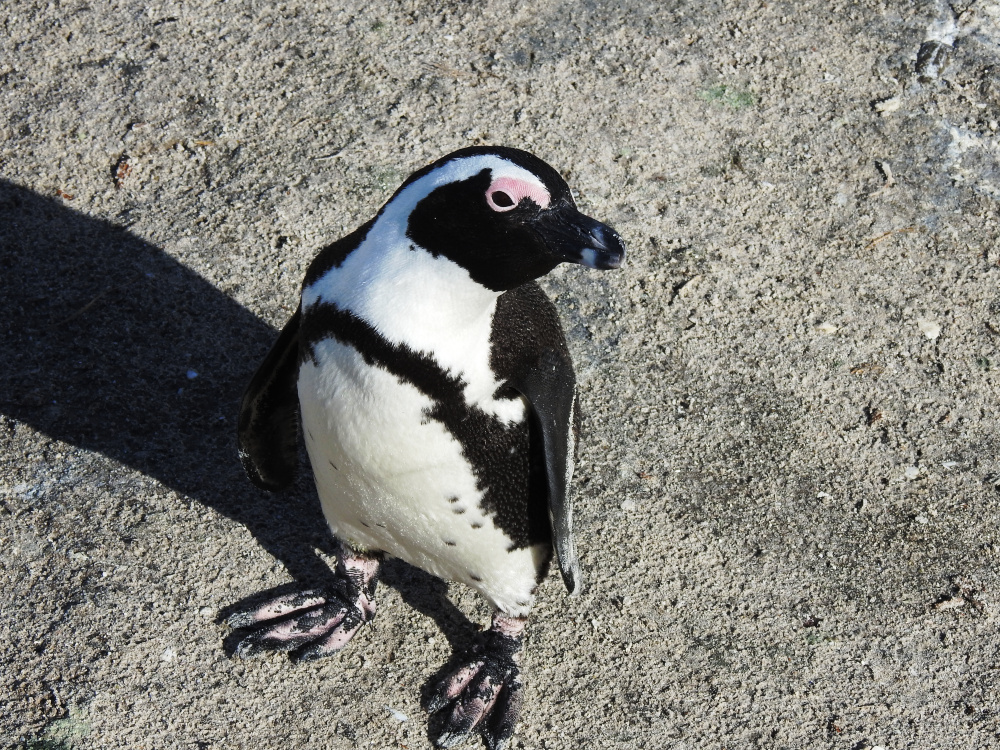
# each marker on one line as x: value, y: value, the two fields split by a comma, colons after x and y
x: 249, y: 647
x: 240, y: 620
x: 312, y: 653
x: 437, y: 701
x: 461, y: 722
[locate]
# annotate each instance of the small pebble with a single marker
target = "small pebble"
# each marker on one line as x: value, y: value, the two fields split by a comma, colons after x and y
x: 954, y: 603
x: 826, y: 328
x: 911, y: 472
x: 397, y: 715
x: 885, y: 107
x: 191, y: 374
x: 628, y: 505
x: 929, y: 328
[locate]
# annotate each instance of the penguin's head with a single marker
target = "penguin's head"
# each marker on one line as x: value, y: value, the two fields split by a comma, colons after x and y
x: 504, y: 215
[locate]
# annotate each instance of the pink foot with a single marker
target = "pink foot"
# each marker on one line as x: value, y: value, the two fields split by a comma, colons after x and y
x: 318, y: 622
x: 485, y: 693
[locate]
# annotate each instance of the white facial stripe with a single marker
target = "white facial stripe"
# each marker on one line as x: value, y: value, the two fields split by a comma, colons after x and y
x: 456, y: 171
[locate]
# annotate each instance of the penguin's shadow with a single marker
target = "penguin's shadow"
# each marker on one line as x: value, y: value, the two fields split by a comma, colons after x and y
x: 111, y: 345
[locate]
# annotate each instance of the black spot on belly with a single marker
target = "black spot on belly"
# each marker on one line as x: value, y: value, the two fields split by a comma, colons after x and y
x: 365, y: 525
x: 477, y: 525
x: 458, y: 511
x: 451, y: 544
x: 475, y: 578
x: 507, y: 460
x: 453, y: 499
x: 334, y: 466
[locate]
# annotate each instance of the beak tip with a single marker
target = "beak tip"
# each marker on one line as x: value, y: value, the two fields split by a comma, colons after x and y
x: 602, y: 260
x: 572, y: 237
x: 610, y: 251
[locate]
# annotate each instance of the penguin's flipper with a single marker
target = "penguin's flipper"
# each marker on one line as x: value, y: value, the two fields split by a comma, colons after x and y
x: 550, y: 387
x: 268, y: 424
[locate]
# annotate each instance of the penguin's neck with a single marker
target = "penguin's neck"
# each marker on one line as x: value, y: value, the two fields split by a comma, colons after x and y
x: 429, y: 304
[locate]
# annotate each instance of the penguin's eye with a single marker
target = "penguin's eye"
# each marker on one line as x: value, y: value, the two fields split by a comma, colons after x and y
x: 501, y: 199
x: 506, y: 193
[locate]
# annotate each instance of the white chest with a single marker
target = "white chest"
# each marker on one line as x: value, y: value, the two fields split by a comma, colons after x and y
x: 391, y: 479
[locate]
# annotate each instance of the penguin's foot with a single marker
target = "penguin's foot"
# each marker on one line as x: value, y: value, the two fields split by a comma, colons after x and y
x: 484, y: 694
x: 317, y: 622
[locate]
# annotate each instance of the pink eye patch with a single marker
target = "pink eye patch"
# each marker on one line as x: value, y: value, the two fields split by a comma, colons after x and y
x: 506, y: 192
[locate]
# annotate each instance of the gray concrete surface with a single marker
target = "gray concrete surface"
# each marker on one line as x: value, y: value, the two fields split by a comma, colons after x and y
x: 789, y: 492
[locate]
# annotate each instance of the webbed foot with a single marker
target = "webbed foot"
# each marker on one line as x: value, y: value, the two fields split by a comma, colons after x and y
x: 313, y: 622
x: 484, y: 694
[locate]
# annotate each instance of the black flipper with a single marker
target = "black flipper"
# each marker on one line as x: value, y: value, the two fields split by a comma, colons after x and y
x: 530, y: 352
x: 268, y: 425
x: 550, y: 386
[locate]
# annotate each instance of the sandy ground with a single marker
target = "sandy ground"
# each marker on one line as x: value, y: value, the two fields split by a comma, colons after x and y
x: 789, y: 489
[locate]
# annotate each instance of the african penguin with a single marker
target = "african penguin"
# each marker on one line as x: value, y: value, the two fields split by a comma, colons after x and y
x: 438, y: 407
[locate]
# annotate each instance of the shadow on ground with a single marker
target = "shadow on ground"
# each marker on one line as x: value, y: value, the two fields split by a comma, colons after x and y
x: 103, y: 335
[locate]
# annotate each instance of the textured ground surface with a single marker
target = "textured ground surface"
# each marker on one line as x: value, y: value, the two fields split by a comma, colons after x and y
x: 789, y: 494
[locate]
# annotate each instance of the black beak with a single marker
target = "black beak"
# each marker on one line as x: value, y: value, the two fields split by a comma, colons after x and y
x: 574, y: 238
